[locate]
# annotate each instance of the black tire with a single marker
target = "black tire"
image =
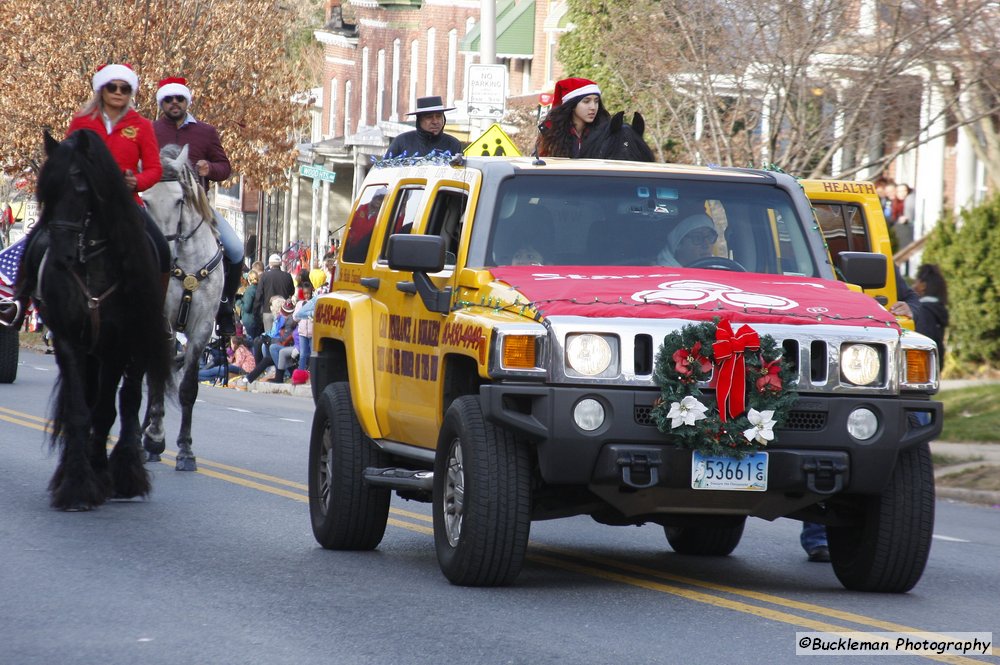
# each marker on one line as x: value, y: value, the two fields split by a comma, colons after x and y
x: 8, y: 354
x: 481, y: 534
x: 346, y: 513
x: 708, y: 540
x: 888, y: 549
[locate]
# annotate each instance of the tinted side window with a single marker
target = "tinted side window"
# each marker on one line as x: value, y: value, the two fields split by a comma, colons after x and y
x: 843, y: 227
x: 404, y: 213
x: 446, y: 219
x: 359, y: 234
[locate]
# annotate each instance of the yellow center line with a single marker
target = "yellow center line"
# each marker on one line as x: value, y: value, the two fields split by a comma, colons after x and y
x: 25, y: 423
x: 582, y: 568
x: 756, y: 595
x: 717, y: 601
x: 26, y: 416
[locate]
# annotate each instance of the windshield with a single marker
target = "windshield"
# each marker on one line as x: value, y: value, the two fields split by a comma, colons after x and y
x: 647, y: 221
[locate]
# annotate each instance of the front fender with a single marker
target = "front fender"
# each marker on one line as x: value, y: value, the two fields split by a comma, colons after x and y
x: 347, y: 317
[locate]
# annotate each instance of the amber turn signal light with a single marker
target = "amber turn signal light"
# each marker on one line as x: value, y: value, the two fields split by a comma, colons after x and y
x: 918, y: 366
x: 519, y: 351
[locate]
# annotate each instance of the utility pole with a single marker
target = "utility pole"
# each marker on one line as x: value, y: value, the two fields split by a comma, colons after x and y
x: 487, y: 47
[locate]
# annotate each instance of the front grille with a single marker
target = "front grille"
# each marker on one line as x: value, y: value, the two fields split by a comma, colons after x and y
x: 805, y: 421
x: 644, y: 416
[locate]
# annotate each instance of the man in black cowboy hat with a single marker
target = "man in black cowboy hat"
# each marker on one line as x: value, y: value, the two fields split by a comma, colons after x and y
x: 429, y: 134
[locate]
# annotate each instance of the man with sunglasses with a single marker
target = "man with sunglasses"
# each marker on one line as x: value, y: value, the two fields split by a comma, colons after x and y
x: 177, y: 126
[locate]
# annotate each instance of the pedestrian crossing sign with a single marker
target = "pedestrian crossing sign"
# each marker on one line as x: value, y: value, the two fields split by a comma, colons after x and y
x: 493, y: 143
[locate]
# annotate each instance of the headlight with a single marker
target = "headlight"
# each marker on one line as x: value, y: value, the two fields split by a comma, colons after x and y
x: 588, y: 354
x: 860, y: 364
x: 588, y: 414
x: 862, y: 424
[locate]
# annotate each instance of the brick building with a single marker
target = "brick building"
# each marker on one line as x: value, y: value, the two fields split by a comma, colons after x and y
x: 379, y: 57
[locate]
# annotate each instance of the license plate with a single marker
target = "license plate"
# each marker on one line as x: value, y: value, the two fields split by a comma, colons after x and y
x: 728, y: 473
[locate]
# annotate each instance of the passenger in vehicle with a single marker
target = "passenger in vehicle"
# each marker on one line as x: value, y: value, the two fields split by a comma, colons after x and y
x: 527, y: 256
x: 524, y: 239
x: 689, y: 241
x: 576, y: 109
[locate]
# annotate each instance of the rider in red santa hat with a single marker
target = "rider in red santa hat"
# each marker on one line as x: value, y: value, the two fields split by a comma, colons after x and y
x: 177, y: 126
x: 576, y: 109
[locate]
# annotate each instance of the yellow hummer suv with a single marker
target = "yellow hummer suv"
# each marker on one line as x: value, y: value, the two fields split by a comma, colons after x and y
x: 503, y: 336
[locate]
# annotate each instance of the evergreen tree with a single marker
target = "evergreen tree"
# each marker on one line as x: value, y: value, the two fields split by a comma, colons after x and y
x: 968, y: 253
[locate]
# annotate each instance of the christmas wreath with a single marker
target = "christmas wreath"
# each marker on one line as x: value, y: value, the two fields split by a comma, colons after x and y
x: 752, y: 382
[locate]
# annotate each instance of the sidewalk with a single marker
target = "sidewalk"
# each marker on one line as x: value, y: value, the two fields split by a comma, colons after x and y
x: 985, y: 454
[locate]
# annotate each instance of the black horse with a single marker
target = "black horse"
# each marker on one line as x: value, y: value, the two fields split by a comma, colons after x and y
x: 90, y: 269
x: 617, y: 139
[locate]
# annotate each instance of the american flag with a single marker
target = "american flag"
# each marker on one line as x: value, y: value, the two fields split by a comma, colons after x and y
x: 10, y: 259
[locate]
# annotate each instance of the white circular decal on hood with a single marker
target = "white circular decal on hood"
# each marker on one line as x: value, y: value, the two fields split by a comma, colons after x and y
x: 696, y: 292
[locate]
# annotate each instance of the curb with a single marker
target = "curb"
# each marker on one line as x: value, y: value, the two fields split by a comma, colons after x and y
x: 261, y: 386
x: 982, y: 497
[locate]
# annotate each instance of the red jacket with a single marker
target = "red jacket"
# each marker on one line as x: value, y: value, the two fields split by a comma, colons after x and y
x: 131, y: 141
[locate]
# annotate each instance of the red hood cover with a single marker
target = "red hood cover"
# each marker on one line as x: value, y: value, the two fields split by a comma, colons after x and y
x: 696, y: 294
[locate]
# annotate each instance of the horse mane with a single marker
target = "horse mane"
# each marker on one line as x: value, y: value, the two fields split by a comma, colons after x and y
x: 619, y: 140
x: 185, y: 175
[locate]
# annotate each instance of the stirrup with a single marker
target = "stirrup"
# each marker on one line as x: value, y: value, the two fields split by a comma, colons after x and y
x: 6, y: 306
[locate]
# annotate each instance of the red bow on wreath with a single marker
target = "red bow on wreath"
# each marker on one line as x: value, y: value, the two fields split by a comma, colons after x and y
x: 728, y: 348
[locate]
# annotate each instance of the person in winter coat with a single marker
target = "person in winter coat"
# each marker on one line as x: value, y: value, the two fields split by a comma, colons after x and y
x: 239, y: 357
x: 131, y: 141
x: 253, y: 326
x: 930, y: 285
x: 576, y: 109
x: 429, y: 134
x: 274, y: 282
x: 305, y: 324
x: 129, y: 137
x: 209, y: 160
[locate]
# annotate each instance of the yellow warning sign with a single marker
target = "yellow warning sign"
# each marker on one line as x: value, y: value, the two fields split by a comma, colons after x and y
x: 493, y: 143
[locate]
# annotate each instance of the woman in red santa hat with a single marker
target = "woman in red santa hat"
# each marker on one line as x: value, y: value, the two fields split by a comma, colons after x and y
x: 576, y: 109
x: 129, y: 137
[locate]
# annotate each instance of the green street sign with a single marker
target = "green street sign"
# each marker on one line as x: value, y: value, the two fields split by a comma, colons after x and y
x: 317, y: 173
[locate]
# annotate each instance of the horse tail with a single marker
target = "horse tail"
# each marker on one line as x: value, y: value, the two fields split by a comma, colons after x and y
x: 148, y: 344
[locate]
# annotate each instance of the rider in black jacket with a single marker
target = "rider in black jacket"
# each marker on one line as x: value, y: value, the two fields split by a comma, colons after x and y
x: 429, y: 134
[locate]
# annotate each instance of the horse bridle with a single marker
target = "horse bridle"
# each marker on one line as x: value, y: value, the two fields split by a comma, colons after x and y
x: 189, y: 281
x: 86, y: 250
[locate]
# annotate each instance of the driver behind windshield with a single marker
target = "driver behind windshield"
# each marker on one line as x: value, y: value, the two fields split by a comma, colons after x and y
x: 689, y: 241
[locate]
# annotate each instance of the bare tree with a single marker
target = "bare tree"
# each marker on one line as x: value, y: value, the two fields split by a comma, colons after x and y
x: 817, y: 87
x: 234, y: 54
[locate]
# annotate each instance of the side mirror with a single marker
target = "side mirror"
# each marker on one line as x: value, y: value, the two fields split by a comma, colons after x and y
x: 420, y: 254
x: 866, y: 269
x: 417, y: 253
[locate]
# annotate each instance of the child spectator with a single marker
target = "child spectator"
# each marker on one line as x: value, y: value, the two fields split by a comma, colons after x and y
x: 305, y: 325
x: 239, y: 361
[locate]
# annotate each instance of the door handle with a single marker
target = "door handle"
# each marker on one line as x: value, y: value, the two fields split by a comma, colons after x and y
x: 371, y: 283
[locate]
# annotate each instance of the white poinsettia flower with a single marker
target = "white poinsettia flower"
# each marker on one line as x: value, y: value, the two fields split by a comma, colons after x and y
x: 688, y: 411
x: 763, y: 426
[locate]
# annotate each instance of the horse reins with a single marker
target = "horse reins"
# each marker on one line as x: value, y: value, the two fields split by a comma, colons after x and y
x: 86, y: 251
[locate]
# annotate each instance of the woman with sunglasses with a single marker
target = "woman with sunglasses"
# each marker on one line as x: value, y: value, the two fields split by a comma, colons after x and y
x: 129, y: 137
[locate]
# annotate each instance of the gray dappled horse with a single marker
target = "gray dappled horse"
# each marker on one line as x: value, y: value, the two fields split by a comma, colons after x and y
x: 180, y: 207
